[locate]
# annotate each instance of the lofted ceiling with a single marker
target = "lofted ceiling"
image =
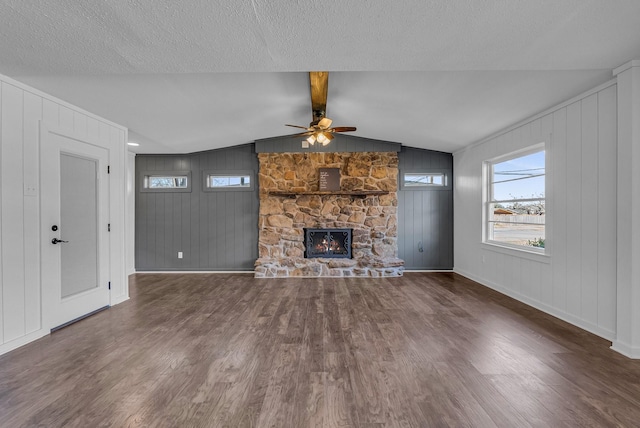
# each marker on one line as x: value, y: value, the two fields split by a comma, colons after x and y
x: 201, y: 74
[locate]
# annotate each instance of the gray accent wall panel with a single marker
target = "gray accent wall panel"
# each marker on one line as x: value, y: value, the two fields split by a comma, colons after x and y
x: 214, y: 230
x: 425, y: 217
x: 219, y: 230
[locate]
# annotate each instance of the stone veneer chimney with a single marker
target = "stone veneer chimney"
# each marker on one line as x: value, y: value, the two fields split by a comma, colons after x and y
x: 373, y: 217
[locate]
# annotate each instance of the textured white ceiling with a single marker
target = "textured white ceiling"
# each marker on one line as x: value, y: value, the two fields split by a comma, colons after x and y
x: 200, y: 74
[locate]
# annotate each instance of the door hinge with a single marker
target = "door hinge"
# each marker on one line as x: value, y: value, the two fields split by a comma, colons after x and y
x: 108, y: 169
x: 109, y: 227
x: 109, y: 285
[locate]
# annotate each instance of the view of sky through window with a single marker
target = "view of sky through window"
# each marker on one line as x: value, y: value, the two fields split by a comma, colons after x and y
x: 519, y: 178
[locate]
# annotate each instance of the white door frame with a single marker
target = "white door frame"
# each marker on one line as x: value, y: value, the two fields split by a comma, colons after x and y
x: 50, y: 264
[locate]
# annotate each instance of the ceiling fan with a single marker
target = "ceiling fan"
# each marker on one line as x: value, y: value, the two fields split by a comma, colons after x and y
x: 320, y: 129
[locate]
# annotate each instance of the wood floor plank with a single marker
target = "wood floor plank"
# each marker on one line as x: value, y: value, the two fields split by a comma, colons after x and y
x: 229, y: 350
x: 339, y: 408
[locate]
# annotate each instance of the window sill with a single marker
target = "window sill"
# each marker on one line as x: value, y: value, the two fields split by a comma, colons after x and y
x: 517, y: 252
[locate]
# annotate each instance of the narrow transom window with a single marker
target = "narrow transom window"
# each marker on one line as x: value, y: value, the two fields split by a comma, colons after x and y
x: 515, y: 204
x: 165, y: 182
x: 412, y: 179
x: 228, y: 180
x: 426, y: 179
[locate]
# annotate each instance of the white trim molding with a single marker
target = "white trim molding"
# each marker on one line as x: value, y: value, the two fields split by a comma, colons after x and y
x: 626, y: 349
x: 628, y: 210
x: 626, y: 66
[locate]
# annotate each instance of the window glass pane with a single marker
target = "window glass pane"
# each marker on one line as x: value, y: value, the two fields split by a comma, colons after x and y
x: 418, y: 179
x: 229, y: 181
x: 159, y: 182
x: 527, y: 188
x: 518, y: 212
x: 530, y: 235
x: 519, y: 178
x: 530, y: 207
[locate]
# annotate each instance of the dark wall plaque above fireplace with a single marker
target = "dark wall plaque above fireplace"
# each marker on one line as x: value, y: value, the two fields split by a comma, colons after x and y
x: 332, y: 243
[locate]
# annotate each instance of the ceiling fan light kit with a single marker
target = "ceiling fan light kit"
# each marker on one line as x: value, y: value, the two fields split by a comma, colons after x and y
x: 319, y: 130
x: 323, y: 138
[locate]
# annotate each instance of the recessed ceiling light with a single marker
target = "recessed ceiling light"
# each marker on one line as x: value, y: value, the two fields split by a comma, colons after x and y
x: 133, y: 144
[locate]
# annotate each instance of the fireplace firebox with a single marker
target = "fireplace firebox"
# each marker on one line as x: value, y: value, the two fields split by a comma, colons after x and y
x: 328, y: 243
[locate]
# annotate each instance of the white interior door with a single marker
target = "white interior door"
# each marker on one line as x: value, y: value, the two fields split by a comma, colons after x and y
x: 74, y: 197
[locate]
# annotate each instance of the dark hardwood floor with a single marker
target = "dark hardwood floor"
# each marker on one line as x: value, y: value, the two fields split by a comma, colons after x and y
x: 223, y: 350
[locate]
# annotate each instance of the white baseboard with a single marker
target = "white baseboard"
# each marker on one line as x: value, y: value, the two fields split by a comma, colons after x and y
x: 21, y: 341
x: 250, y: 271
x: 195, y: 271
x: 119, y: 299
x: 626, y: 350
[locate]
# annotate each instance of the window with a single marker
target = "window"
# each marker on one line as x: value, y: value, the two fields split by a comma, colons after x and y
x: 425, y: 180
x: 166, y: 181
x: 225, y: 180
x: 515, y: 203
x: 417, y: 179
x: 153, y: 182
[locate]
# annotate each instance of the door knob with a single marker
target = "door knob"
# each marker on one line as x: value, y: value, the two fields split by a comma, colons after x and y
x: 56, y: 241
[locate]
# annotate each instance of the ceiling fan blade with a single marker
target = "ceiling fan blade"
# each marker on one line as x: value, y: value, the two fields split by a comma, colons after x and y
x: 325, y: 123
x: 298, y: 126
x: 319, y: 82
x: 343, y: 129
x: 328, y: 135
x: 302, y: 134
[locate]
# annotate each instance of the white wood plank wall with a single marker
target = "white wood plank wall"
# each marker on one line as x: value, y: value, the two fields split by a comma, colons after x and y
x: 577, y: 282
x: 21, y: 111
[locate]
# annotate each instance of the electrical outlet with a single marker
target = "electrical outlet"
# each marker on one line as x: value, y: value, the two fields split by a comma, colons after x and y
x: 30, y: 190
x: 179, y: 254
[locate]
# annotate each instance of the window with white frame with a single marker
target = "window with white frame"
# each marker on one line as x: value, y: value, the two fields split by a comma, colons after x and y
x: 166, y: 181
x: 416, y: 179
x: 425, y: 180
x: 515, y: 200
x: 228, y: 180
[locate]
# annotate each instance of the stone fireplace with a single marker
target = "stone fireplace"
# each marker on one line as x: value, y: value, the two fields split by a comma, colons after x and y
x: 366, y: 204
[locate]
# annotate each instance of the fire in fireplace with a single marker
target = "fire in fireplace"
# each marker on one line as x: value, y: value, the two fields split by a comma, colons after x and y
x: 330, y: 243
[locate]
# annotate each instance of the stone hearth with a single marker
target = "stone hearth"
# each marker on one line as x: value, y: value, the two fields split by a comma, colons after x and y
x: 373, y: 218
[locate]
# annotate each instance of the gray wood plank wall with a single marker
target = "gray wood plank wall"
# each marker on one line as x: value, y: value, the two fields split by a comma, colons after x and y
x: 214, y: 230
x: 425, y: 217
x: 219, y: 230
